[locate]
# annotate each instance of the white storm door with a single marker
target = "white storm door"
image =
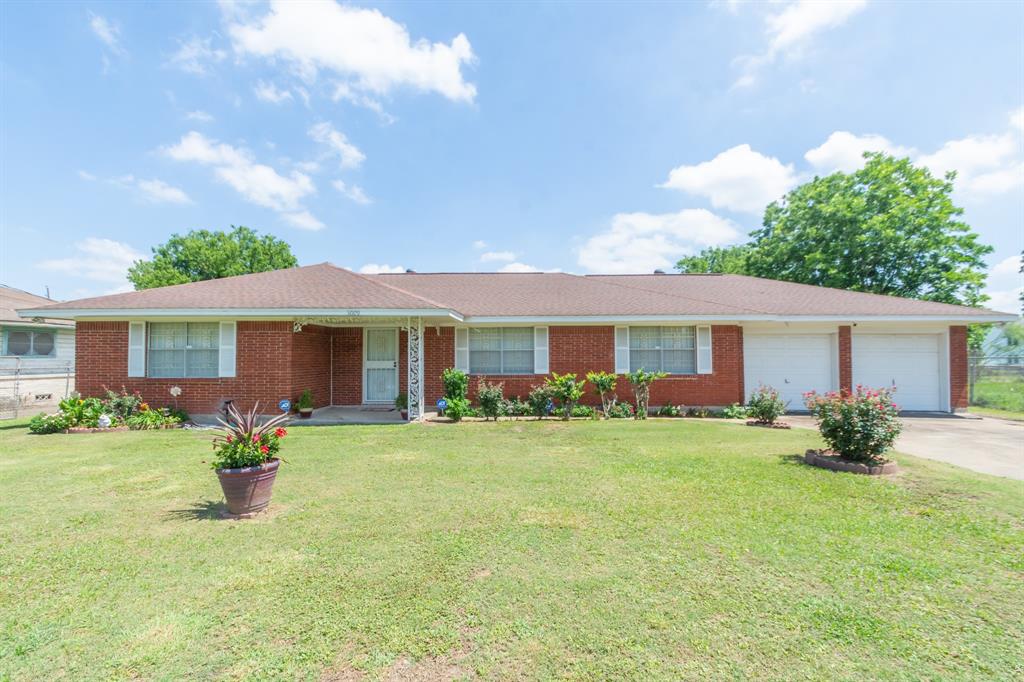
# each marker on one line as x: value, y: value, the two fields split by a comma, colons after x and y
x: 380, y: 365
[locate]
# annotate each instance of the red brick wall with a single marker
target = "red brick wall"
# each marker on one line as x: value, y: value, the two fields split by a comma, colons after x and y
x: 845, y: 359
x: 348, y: 366
x: 311, y: 360
x: 958, y: 367
x: 438, y: 354
x: 263, y: 368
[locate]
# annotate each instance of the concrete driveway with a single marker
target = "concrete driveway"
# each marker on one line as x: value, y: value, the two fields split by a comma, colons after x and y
x: 991, y: 446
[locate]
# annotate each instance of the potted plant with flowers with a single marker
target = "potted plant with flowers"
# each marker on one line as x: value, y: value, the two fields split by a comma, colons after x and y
x: 245, y: 458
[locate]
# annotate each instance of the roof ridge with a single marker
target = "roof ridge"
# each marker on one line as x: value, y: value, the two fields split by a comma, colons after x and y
x: 436, y: 304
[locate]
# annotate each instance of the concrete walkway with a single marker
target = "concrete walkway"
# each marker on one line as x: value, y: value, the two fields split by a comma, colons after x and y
x: 989, y: 445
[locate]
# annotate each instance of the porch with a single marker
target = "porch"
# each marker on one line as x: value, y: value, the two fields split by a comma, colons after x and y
x: 334, y: 415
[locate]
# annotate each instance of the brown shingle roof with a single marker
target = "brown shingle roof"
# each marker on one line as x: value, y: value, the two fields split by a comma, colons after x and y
x: 11, y: 299
x: 324, y: 286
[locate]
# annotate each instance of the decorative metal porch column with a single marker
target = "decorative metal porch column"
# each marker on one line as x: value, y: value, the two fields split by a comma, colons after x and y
x: 414, y: 366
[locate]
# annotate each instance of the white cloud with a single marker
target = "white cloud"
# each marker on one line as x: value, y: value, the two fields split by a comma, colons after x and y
x: 337, y: 144
x: 199, y: 115
x: 268, y: 92
x: 642, y: 242
x: 361, y: 46
x: 108, y: 33
x: 791, y: 28
x: 159, y: 191
x: 97, y: 259
x: 258, y: 183
x: 497, y: 256
x: 195, y: 55
x: 343, y: 91
x: 738, y: 179
x: 844, y: 151
x: 1004, y: 285
x: 1017, y: 119
x: 985, y: 164
x: 85, y: 175
x: 521, y: 267
x: 304, y: 220
x: 353, y: 192
x: 379, y: 269
x: 479, y: 244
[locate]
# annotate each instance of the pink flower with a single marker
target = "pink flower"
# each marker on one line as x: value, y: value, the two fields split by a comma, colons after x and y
x: 230, y: 439
x: 280, y: 432
x: 255, y: 438
x: 264, y: 449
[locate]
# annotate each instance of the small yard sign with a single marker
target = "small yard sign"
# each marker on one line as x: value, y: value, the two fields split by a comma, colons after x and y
x: 285, y: 405
x: 442, y: 404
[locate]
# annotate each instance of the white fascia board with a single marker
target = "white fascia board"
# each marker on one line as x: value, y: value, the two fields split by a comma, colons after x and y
x: 236, y: 313
x: 625, y: 319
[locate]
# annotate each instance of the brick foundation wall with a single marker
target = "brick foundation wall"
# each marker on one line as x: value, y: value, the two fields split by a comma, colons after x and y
x: 311, y: 359
x: 958, y: 396
x: 263, y: 368
x: 845, y: 359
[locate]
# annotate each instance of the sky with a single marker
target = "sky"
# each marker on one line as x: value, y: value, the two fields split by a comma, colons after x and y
x: 578, y: 137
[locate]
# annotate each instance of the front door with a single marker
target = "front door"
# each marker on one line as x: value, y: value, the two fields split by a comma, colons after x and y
x: 380, y: 365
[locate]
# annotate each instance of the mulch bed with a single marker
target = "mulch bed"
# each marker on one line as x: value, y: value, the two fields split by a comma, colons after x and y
x: 826, y: 459
x: 765, y: 425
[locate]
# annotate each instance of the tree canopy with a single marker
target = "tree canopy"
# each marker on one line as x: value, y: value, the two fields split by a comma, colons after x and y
x: 204, y: 254
x: 887, y: 228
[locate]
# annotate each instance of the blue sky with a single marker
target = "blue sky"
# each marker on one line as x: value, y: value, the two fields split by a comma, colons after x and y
x: 577, y: 137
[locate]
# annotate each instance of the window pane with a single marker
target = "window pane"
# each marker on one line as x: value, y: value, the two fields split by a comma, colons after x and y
x: 644, y: 338
x: 484, y: 361
x: 518, y: 362
x: 201, y: 363
x: 167, y: 336
x: 679, y: 362
x: 517, y: 338
x: 18, y: 343
x: 203, y: 335
x: 42, y: 343
x: 484, y: 339
x: 678, y: 338
x: 166, y: 363
x: 649, y: 360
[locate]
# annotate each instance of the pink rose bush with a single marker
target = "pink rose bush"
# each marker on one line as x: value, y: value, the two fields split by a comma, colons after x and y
x: 860, y: 426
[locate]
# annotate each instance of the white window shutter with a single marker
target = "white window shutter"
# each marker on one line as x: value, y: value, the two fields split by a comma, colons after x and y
x: 540, y: 350
x: 136, y: 349
x: 462, y: 349
x: 704, y: 350
x: 622, y: 350
x: 226, y: 364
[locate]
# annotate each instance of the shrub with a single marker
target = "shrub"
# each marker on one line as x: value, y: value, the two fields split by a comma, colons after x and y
x: 577, y: 411
x: 147, y: 419
x: 567, y: 390
x: 735, y: 411
x: 604, y: 384
x: 402, y: 401
x: 491, y: 398
x: 246, y: 442
x: 515, y: 408
x: 539, y: 401
x: 698, y: 412
x: 670, y: 411
x: 765, y: 405
x: 305, y: 401
x: 47, y: 423
x: 458, y: 408
x: 81, y: 411
x: 641, y: 381
x: 620, y: 411
x: 860, y: 426
x: 456, y: 384
x: 121, y: 405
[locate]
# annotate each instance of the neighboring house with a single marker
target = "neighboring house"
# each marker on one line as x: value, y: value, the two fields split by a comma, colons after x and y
x: 361, y: 339
x: 37, y: 356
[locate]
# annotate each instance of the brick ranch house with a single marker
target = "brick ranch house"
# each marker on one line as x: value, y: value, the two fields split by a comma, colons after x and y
x: 357, y: 339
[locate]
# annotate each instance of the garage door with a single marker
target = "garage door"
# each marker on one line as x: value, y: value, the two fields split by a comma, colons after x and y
x: 910, y: 362
x: 790, y: 363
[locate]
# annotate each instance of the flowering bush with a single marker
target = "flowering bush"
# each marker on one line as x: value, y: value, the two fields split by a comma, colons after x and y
x: 540, y: 401
x: 491, y: 398
x: 861, y: 425
x: 765, y: 405
x: 244, y: 442
x: 48, y: 423
x: 619, y: 410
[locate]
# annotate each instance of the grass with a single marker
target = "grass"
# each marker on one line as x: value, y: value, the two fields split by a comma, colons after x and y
x: 658, y: 550
x: 999, y: 397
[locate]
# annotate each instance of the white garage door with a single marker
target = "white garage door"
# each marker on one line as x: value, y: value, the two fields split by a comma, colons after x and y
x: 790, y: 363
x: 910, y: 362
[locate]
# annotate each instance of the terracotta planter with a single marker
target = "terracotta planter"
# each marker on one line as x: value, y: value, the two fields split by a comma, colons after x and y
x: 306, y: 414
x: 247, y: 490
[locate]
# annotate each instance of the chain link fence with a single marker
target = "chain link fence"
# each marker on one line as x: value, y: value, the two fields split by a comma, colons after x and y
x: 29, y: 387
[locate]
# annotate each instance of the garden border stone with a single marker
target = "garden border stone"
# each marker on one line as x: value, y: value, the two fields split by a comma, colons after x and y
x: 825, y: 459
x: 765, y: 425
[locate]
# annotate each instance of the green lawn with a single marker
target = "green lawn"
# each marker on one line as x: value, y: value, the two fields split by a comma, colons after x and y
x: 658, y: 550
x: 999, y: 397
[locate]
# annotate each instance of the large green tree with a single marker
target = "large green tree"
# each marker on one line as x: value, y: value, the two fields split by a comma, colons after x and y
x: 888, y: 228
x: 205, y: 254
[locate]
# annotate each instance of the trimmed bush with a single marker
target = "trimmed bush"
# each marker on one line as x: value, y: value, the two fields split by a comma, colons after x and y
x: 458, y: 408
x: 567, y: 390
x: 456, y: 383
x: 765, y: 405
x: 641, y: 381
x: 860, y: 426
x: 540, y: 401
x: 491, y: 398
x: 47, y: 423
x: 604, y: 384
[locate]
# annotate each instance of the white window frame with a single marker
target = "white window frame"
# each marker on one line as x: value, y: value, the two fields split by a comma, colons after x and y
x: 31, y: 342
x: 185, y: 351
x: 661, y: 349
x: 501, y: 351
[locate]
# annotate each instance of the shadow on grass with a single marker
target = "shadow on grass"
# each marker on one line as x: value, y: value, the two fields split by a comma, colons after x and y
x: 20, y: 425
x: 792, y: 459
x: 206, y: 510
